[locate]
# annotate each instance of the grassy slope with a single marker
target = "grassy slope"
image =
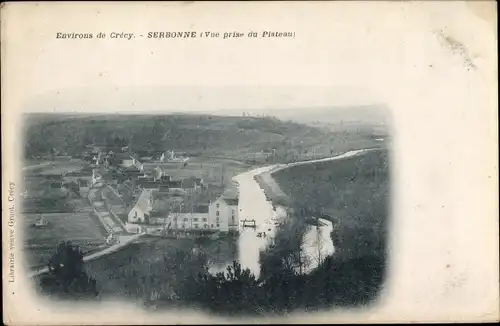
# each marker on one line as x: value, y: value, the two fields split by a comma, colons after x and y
x: 354, y: 192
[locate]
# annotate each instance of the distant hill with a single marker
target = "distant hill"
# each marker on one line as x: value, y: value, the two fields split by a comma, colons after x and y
x: 375, y: 119
x: 71, y: 134
x: 362, y: 115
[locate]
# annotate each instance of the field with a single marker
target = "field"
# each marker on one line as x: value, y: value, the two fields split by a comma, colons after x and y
x: 352, y: 192
x: 62, y: 167
x: 79, y: 228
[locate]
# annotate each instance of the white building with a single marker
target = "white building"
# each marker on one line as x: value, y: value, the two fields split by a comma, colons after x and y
x: 141, y: 211
x: 223, y: 214
x: 190, y: 221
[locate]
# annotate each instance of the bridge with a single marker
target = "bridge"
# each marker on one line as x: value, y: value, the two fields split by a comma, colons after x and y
x: 249, y: 223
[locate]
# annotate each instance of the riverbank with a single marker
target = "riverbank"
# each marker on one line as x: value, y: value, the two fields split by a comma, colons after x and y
x: 273, y: 190
x: 352, y: 191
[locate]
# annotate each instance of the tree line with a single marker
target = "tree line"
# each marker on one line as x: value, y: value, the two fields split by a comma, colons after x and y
x: 283, y: 284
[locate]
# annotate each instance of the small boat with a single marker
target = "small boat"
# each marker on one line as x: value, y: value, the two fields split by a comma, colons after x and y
x: 40, y: 222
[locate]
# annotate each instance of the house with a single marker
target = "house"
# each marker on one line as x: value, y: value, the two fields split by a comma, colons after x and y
x: 190, y: 221
x: 120, y: 159
x: 140, y: 212
x: 162, y: 207
x: 84, y: 186
x: 139, y: 165
x: 157, y: 173
x: 166, y: 178
x: 132, y: 172
x: 96, y: 177
x: 145, y: 156
x: 127, y: 162
x: 172, y: 187
x: 148, y: 183
x: 223, y: 214
x: 189, y: 185
x: 92, y: 157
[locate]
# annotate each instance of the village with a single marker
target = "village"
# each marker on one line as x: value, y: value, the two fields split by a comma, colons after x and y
x: 160, y: 194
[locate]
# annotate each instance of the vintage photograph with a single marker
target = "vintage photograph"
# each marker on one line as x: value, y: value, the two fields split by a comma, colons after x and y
x: 234, y: 213
x: 261, y: 162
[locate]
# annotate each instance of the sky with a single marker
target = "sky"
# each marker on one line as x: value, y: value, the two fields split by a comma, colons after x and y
x: 158, y: 99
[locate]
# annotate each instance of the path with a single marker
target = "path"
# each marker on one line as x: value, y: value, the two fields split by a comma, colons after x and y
x: 108, y: 220
x: 123, y: 241
x: 39, y: 165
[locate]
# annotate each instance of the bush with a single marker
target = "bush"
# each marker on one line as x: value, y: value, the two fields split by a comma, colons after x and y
x: 67, y: 277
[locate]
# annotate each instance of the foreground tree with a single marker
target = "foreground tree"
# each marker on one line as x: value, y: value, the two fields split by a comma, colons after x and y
x: 67, y: 276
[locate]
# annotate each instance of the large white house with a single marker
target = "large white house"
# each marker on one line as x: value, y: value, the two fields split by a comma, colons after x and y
x: 141, y: 211
x: 223, y: 214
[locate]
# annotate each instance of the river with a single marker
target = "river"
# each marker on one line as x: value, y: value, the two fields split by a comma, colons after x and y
x: 253, y: 205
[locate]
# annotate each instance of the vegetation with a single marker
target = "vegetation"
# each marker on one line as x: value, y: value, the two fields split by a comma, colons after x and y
x: 353, y: 193
x: 70, y: 135
x: 67, y: 277
x: 182, y: 278
x: 283, y: 285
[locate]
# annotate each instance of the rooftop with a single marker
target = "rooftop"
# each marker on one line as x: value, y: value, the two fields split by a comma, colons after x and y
x: 165, y: 204
x: 143, y: 200
x: 231, y: 201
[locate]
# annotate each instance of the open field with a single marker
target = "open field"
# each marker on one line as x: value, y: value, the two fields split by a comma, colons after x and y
x: 60, y: 167
x: 79, y: 228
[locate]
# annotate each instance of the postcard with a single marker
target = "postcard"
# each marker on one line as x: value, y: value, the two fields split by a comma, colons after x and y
x: 249, y: 162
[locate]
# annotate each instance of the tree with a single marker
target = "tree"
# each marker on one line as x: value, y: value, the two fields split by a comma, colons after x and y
x: 67, y: 276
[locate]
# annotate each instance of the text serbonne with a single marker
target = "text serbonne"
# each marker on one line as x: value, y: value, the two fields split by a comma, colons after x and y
x: 173, y: 35
x: 160, y: 35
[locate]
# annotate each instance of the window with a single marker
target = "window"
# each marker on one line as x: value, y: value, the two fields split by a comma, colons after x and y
x: 195, y: 219
x: 185, y: 219
x: 218, y: 225
x: 217, y: 213
x: 212, y: 225
x: 135, y: 214
x: 195, y: 226
x: 204, y: 219
x: 217, y: 205
x: 233, y: 218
